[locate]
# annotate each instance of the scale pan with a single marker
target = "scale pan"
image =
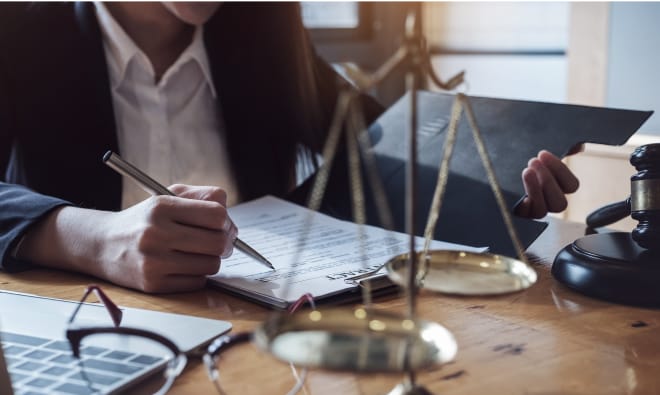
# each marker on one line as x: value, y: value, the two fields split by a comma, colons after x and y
x: 464, y: 273
x: 360, y: 340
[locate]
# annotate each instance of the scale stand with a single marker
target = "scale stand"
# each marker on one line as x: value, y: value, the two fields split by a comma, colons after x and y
x: 365, y: 340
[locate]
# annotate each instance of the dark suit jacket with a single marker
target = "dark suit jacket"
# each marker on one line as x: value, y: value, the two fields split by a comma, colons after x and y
x: 57, y: 120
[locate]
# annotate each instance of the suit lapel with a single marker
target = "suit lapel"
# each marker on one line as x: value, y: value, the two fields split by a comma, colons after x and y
x: 99, y: 131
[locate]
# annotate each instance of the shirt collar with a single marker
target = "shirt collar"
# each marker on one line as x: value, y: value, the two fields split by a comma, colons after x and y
x: 197, y: 52
x: 123, y: 50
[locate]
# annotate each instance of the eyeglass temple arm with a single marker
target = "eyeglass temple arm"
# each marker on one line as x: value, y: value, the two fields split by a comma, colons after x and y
x: 298, y: 303
x: 115, y: 312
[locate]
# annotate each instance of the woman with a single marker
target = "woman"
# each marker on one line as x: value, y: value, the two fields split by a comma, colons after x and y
x: 164, y: 84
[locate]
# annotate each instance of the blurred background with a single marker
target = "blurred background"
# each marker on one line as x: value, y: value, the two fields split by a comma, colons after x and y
x: 589, y: 53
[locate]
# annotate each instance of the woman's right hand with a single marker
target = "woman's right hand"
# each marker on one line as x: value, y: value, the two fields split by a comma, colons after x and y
x: 163, y: 244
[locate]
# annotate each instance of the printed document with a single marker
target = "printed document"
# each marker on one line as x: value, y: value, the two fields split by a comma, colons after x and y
x: 312, y: 252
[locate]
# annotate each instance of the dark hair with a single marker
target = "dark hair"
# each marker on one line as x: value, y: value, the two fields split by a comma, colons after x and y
x: 284, y: 94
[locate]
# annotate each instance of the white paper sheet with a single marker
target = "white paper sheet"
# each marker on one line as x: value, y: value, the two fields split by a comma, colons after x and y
x: 333, y: 251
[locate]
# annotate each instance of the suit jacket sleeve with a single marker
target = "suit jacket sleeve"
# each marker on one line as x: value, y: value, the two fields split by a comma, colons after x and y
x: 20, y: 207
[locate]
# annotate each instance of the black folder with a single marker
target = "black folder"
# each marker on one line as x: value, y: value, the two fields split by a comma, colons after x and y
x: 513, y: 131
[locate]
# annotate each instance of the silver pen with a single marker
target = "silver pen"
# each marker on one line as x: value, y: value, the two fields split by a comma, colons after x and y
x: 152, y: 186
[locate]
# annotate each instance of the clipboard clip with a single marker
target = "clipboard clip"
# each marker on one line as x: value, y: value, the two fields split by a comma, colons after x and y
x: 363, y: 278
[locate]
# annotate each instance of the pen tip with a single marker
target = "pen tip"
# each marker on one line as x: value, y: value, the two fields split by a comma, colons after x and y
x: 107, y: 156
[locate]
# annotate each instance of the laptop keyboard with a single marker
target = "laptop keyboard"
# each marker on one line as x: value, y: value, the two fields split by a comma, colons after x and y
x: 39, y: 366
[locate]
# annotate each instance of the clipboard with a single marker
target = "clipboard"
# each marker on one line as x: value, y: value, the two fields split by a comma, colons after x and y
x: 312, y: 253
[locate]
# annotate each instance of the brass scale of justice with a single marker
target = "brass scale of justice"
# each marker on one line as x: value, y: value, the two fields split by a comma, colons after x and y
x: 365, y: 340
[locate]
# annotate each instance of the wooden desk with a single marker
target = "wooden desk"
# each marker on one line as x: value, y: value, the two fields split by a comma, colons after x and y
x: 546, y: 340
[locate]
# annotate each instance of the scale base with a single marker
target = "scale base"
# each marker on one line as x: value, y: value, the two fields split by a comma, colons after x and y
x: 610, y: 266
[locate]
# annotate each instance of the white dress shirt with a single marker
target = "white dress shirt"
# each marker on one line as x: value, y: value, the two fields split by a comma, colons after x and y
x: 171, y: 129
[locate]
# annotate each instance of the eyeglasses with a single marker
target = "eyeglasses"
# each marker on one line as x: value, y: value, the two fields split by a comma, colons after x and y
x: 104, y: 352
x: 223, y: 343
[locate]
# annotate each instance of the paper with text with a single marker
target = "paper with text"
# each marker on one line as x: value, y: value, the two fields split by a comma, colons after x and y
x: 333, y: 251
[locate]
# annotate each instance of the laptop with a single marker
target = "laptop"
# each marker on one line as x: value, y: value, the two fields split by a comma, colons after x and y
x: 5, y: 384
x: 37, y: 358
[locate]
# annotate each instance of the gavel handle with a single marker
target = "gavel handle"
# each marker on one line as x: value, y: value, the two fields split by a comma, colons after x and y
x: 609, y: 214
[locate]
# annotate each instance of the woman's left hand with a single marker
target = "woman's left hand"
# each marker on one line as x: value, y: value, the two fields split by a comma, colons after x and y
x: 546, y: 179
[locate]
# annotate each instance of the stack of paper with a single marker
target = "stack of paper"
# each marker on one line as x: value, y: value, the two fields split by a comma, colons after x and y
x: 332, y: 251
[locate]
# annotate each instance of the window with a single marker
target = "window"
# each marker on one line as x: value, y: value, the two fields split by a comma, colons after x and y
x: 510, y: 50
x: 346, y: 20
x: 376, y: 36
x: 328, y: 15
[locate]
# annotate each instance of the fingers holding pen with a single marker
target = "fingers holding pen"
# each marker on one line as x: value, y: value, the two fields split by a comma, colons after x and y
x: 166, y: 243
x: 212, y: 194
x: 232, y: 235
x: 169, y: 242
x: 156, y: 266
x: 173, y: 272
x: 200, y: 213
x: 207, y: 193
x: 196, y: 226
x: 195, y: 240
x: 218, y: 195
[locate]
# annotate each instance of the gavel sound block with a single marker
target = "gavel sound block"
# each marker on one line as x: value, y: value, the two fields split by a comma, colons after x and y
x: 619, y: 266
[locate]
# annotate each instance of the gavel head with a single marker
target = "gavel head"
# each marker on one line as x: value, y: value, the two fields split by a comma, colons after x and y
x: 645, y: 196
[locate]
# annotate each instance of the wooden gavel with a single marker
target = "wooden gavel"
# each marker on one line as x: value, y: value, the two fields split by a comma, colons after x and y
x: 643, y: 204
